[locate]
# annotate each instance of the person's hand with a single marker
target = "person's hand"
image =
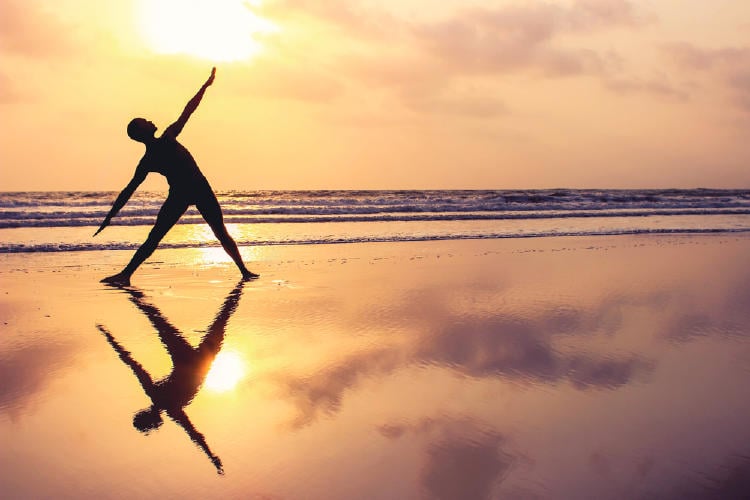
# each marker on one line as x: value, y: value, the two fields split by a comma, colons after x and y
x: 211, y: 78
x: 104, y: 224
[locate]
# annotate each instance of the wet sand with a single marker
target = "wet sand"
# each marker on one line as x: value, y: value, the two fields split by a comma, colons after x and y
x: 587, y: 367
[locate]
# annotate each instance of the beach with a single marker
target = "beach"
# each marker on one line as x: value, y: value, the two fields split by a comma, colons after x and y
x: 562, y: 367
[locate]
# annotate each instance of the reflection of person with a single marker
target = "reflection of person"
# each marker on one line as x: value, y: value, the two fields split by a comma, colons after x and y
x: 187, y: 186
x: 190, y: 366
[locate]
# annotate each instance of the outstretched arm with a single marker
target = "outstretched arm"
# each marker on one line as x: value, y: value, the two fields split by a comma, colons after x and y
x: 199, y: 439
x: 175, y: 129
x: 143, y: 377
x: 124, y: 196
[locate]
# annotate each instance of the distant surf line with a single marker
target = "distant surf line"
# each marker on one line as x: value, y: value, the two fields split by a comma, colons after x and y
x: 7, y: 248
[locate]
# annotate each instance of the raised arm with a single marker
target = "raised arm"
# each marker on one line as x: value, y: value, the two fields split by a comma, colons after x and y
x: 124, y: 196
x: 175, y: 129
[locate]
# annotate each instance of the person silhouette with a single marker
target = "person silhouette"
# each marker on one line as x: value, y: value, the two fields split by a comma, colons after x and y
x: 187, y: 186
x: 189, y: 368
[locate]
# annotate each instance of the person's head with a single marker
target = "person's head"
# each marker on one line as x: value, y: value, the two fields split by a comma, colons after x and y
x: 141, y: 130
x: 147, y: 420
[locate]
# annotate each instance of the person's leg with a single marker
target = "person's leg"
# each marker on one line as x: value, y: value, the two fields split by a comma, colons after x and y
x: 209, y: 208
x: 169, y: 214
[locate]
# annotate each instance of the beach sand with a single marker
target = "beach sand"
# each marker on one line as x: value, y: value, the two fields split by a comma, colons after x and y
x: 586, y: 367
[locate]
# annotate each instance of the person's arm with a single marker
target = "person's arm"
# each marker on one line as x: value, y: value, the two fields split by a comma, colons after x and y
x: 124, y: 196
x: 143, y: 377
x: 199, y: 439
x: 175, y: 129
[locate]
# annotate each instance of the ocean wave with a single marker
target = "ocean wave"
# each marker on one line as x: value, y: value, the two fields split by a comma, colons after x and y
x: 79, y: 247
x: 147, y: 217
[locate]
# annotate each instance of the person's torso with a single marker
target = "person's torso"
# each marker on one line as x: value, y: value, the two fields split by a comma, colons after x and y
x: 171, y: 159
x: 180, y: 387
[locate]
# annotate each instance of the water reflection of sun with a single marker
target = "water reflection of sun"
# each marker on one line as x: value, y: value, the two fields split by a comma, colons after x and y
x: 226, y: 372
x: 201, y: 236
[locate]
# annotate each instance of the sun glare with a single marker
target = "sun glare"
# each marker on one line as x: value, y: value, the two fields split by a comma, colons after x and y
x: 218, y: 30
x: 226, y: 371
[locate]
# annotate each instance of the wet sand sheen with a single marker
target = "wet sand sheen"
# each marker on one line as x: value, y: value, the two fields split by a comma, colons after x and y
x: 590, y: 367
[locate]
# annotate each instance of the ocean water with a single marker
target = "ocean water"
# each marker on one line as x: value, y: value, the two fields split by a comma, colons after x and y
x: 66, y: 221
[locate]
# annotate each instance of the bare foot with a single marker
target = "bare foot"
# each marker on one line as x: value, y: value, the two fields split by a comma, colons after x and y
x: 249, y: 275
x: 118, y: 279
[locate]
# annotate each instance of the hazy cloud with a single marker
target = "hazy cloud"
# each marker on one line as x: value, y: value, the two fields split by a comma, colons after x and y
x: 501, y: 347
x: 26, y: 372
x: 513, y: 349
x: 348, y: 16
x: 461, y: 469
x: 655, y: 86
x: 27, y: 30
x: 523, y: 348
x: 726, y: 317
x: 521, y: 37
x: 692, y: 56
x: 420, y: 61
x: 462, y: 459
x: 324, y: 392
x: 726, y: 65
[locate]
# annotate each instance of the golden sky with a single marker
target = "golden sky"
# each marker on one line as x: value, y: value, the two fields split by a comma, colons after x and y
x: 366, y: 94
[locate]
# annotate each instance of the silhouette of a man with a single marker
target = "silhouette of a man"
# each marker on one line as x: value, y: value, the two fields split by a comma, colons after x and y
x: 190, y: 365
x: 187, y: 186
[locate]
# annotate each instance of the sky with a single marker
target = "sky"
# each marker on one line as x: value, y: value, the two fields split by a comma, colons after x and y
x: 389, y: 94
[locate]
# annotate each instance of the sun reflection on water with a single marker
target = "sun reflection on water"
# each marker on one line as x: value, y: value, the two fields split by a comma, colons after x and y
x: 226, y: 372
x: 207, y: 245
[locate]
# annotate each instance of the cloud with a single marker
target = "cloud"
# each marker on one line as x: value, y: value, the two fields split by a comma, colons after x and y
x: 421, y: 61
x: 324, y: 392
x: 739, y: 81
x: 654, y: 86
x: 518, y: 350
x: 496, y: 347
x: 457, y: 469
x: 725, y: 66
x: 514, y: 38
x: 728, y: 316
x: 26, y: 372
x: 692, y: 56
x: 28, y: 31
x: 462, y: 459
x: 524, y: 348
x: 349, y: 17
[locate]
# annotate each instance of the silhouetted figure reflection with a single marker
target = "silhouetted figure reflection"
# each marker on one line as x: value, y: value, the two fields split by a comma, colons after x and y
x: 190, y: 366
x: 187, y: 186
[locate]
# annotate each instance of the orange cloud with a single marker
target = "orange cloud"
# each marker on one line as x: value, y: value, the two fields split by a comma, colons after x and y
x: 29, y: 31
x: 727, y: 66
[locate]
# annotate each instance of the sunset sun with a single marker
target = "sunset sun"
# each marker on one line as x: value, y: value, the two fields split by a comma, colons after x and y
x: 217, y: 30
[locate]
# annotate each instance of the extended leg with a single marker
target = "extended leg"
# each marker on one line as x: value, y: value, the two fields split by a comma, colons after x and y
x: 169, y: 214
x: 209, y: 208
